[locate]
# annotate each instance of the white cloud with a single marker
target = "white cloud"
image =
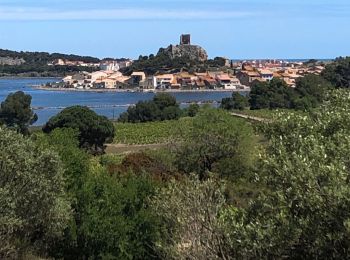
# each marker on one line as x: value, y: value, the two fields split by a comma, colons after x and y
x: 42, y: 14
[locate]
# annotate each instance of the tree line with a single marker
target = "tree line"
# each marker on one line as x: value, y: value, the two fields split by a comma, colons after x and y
x: 36, y: 64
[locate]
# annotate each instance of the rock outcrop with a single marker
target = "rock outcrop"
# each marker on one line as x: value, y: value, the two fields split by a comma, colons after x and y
x: 192, y: 52
x: 11, y: 61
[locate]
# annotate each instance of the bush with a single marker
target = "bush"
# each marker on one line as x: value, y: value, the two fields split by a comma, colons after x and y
x: 34, y: 207
x: 193, y: 110
x: 218, y: 143
x: 115, y: 221
x: 191, y: 209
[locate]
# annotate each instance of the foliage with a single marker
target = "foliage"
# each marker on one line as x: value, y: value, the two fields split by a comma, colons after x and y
x: 162, y: 63
x: 94, y: 130
x: 76, y: 168
x: 272, y: 94
x: 192, y: 110
x: 237, y: 101
x: 36, y: 64
x: 162, y: 107
x: 306, y: 168
x: 75, y: 161
x: 227, y: 103
x: 34, y: 209
x: 191, y: 213
x: 311, y: 90
x: 338, y: 72
x: 152, y: 132
x: 116, y: 222
x: 217, y: 143
x: 16, y: 113
x: 142, y: 163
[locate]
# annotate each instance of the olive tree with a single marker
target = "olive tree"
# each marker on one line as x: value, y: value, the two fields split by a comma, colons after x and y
x: 191, y: 213
x: 34, y: 209
x: 306, y: 170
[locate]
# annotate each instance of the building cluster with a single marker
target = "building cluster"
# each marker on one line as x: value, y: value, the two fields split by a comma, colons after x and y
x: 109, y: 79
x: 235, y: 76
x: 105, y: 65
x: 249, y: 71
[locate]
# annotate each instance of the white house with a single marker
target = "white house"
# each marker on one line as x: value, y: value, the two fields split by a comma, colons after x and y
x: 163, y: 81
x: 266, y: 74
x: 227, y: 82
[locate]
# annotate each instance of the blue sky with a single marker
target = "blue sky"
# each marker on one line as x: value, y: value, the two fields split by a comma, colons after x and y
x: 232, y: 28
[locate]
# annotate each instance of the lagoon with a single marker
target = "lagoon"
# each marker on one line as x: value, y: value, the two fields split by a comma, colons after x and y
x: 48, y: 103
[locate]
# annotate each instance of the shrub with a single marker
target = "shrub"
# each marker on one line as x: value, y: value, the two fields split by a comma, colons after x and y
x: 34, y: 208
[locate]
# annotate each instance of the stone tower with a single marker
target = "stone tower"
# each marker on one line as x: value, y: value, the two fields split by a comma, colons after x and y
x: 185, y: 39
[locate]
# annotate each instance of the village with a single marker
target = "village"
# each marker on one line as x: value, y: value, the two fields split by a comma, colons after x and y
x: 232, y: 76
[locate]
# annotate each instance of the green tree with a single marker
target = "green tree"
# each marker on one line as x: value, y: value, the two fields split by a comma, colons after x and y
x: 239, y: 101
x: 193, y: 110
x: 94, y: 130
x: 311, y: 91
x: 162, y: 107
x: 227, y: 103
x: 34, y: 208
x: 16, y: 113
x: 272, y: 94
x: 338, y: 72
x: 163, y: 100
x: 216, y: 143
x: 306, y: 170
x: 143, y: 111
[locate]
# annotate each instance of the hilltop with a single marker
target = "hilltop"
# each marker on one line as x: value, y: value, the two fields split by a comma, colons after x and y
x: 43, y: 63
x: 185, y: 50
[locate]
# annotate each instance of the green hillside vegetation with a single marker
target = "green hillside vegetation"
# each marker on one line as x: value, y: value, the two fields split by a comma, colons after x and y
x: 162, y: 63
x: 35, y: 64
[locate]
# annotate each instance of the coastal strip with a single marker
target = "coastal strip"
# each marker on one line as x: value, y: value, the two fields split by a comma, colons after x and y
x: 40, y: 87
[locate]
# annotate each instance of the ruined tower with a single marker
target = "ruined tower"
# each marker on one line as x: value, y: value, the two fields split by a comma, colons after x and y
x: 185, y: 39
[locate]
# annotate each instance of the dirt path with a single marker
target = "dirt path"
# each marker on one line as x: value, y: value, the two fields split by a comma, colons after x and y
x: 129, y: 148
x: 254, y: 118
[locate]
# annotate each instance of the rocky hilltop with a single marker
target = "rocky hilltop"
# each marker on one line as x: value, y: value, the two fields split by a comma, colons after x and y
x: 192, y: 52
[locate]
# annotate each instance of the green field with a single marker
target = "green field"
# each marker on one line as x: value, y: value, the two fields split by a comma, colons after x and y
x: 152, y: 132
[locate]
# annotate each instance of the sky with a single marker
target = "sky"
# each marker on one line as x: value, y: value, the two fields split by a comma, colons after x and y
x: 236, y: 29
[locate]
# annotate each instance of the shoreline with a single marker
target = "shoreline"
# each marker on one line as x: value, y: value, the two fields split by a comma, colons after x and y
x: 137, y: 91
x: 27, y: 77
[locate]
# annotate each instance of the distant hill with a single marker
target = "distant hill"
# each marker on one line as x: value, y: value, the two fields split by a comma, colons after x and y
x: 44, y: 57
x: 13, y: 63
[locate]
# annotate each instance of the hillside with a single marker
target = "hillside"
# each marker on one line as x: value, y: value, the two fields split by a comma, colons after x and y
x: 13, y: 63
